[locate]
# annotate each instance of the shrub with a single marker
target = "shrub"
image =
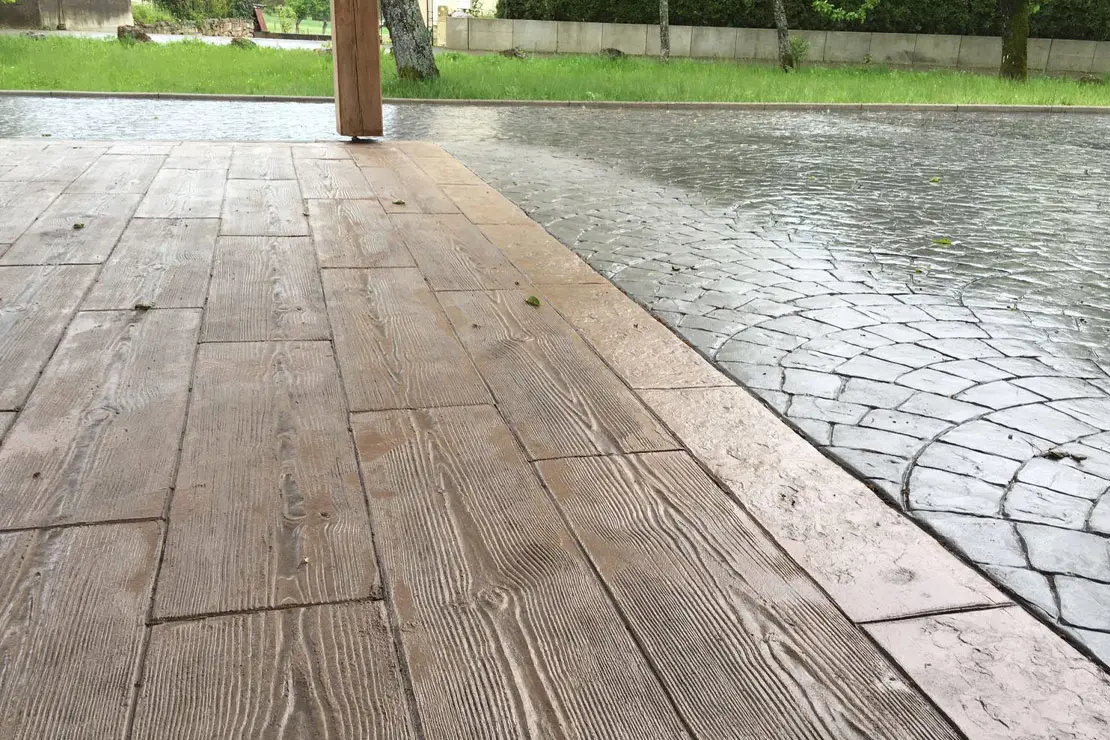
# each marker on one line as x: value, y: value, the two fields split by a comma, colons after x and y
x: 148, y: 13
x: 199, y: 10
x: 799, y: 49
x: 1062, y: 19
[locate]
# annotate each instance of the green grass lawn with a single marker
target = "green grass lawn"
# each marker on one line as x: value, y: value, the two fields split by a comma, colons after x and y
x: 193, y: 67
x: 273, y: 25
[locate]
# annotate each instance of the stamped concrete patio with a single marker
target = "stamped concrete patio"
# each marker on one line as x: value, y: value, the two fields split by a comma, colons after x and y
x: 324, y: 440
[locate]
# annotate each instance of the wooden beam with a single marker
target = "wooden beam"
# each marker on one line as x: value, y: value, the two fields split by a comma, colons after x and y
x: 356, y: 54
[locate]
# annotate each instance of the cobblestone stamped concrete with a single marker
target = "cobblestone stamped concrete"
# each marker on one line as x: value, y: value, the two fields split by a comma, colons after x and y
x: 925, y: 296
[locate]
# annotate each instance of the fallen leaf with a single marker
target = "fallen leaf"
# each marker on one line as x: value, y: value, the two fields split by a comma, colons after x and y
x: 532, y: 301
x: 78, y: 227
x: 143, y: 306
x: 399, y: 202
x: 943, y: 241
x: 935, y: 180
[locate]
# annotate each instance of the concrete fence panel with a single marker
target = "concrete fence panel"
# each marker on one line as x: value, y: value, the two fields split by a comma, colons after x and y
x: 980, y: 52
x: 847, y: 47
x: 458, y: 34
x: 631, y: 38
x: 541, y: 36
x: 713, y: 43
x: 1038, y: 54
x: 936, y: 51
x: 818, y: 41
x: 491, y: 34
x: 680, y: 41
x: 1102, y: 59
x: 893, y: 48
x: 579, y: 38
x: 1071, y: 56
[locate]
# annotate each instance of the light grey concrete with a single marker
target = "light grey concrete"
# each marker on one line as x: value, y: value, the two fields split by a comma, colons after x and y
x: 1071, y: 56
x: 458, y: 34
x: 818, y: 42
x: 627, y: 37
x: 893, y: 48
x: 980, y: 52
x: 936, y: 50
x: 847, y: 47
x: 535, y: 36
x: 579, y: 38
x: 1037, y: 50
x: 1101, y: 65
x: 713, y: 43
x: 77, y: 15
x: 680, y: 41
x: 491, y: 34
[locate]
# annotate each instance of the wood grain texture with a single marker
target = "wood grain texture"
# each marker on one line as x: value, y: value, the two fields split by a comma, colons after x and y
x: 184, y: 194
x: 264, y: 288
x: 158, y: 262
x: 98, y: 438
x: 741, y: 637
x: 454, y: 255
x: 142, y: 147
x: 444, y: 169
x: 405, y: 188
x: 356, y: 233
x: 262, y: 162
x: 268, y: 509
x: 557, y: 395
x: 484, y: 205
x: 263, y: 208
x: 325, y: 150
x: 507, y: 632
x: 395, y: 346
x: 55, y: 239
x: 356, y: 52
x: 294, y: 674
x: 72, y: 627
x: 331, y: 178
x: 200, y: 155
x: 118, y: 174
x: 21, y: 203
x: 36, y: 303
x: 6, y: 419
x: 539, y: 255
x: 57, y: 163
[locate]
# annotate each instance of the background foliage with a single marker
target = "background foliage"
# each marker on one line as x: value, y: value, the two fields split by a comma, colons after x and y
x: 1062, y: 19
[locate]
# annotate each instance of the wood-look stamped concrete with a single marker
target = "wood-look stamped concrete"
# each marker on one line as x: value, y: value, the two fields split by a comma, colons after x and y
x: 330, y: 440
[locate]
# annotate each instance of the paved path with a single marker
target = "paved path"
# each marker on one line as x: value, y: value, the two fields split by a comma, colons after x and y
x: 924, y: 296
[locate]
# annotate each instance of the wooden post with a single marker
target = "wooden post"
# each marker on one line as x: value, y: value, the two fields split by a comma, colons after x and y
x: 356, y: 56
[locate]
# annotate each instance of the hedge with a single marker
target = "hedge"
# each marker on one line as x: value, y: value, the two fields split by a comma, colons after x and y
x: 1060, y: 19
x: 199, y: 10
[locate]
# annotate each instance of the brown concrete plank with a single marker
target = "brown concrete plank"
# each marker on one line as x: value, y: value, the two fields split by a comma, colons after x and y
x: 37, y: 304
x: 318, y: 672
x: 356, y: 233
x: 142, y: 147
x: 118, y: 174
x: 72, y: 628
x: 331, y: 178
x: 484, y: 205
x: 746, y: 644
x: 437, y: 164
x: 6, y: 419
x: 640, y: 349
x: 178, y: 193
x: 513, y: 636
x: 1000, y: 674
x: 76, y: 228
x: 453, y: 253
x: 557, y: 395
x: 98, y: 438
x: 61, y: 163
x: 404, y: 188
x: 268, y: 509
x: 200, y: 155
x: 325, y: 150
x: 21, y: 203
x: 875, y: 563
x: 263, y: 208
x: 395, y: 346
x: 262, y: 162
x: 264, y: 288
x: 539, y: 255
x: 163, y: 263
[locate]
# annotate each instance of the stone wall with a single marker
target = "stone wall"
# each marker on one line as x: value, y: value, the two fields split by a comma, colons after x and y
x: 77, y: 15
x: 232, y: 27
x: 1056, y: 56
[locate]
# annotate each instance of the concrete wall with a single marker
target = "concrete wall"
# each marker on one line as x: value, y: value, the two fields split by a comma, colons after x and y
x: 77, y: 15
x: 1057, y: 56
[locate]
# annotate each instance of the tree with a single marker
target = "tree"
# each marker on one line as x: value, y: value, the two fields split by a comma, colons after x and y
x: 786, y: 57
x: 321, y: 11
x: 664, y: 29
x: 300, y: 9
x: 411, y: 39
x: 1015, y: 16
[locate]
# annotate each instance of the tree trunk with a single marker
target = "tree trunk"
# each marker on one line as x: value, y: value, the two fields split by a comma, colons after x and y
x: 324, y: 29
x: 664, y: 29
x: 412, y: 42
x: 297, y: 26
x: 786, y: 58
x: 1015, y: 16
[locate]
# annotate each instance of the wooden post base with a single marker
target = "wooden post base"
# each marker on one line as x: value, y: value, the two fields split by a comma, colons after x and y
x: 356, y: 56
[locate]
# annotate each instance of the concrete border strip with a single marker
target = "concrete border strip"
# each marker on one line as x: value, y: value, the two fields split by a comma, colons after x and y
x: 599, y: 104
